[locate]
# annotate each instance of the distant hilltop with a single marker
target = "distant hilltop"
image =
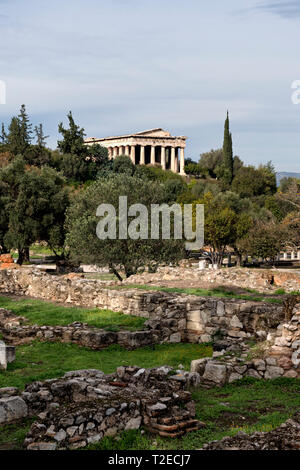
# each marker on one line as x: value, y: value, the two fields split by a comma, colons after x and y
x: 286, y: 174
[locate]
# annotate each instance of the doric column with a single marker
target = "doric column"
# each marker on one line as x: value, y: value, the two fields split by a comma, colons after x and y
x: 173, y: 159
x: 115, y: 151
x: 133, y: 154
x: 127, y: 150
x: 182, y: 172
x: 152, y: 155
x: 176, y: 162
x: 110, y: 152
x: 142, y: 157
x: 163, y: 158
x: 121, y: 150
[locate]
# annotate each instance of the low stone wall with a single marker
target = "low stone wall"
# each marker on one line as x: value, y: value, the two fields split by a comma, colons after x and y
x: 263, y: 280
x: 279, y: 356
x: 84, y: 406
x: 178, y: 317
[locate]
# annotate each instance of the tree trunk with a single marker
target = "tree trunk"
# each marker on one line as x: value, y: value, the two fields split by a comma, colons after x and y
x: 239, y: 259
x: 115, y: 272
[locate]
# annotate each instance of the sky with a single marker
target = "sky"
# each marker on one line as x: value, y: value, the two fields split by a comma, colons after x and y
x: 125, y: 66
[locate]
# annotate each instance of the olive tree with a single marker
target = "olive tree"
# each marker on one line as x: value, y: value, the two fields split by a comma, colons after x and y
x: 128, y: 255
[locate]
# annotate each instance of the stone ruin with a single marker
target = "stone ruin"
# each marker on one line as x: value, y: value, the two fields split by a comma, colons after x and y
x: 84, y: 406
x: 285, y: 437
x: 277, y: 356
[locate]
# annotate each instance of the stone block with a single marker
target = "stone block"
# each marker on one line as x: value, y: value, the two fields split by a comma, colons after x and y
x: 273, y: 372
x: 195, y: 326
x: 12, y: 408
x: 234, y: 376
x: 194, y: 315
x: 215, y: 373
x: 175, y: 338
x: 198, y: 365
x: 235, y: 322
x: 134, y: 423
x: 220, y: 308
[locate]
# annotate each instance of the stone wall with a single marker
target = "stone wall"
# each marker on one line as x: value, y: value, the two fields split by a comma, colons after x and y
x: 177, y: 317
x: 277, y: 356
x: 262, y: 280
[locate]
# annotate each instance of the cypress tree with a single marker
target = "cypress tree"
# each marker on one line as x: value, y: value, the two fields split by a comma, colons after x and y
x: 227, y: 152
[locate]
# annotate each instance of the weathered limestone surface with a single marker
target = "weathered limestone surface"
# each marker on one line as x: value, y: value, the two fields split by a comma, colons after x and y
x: 12, y: 408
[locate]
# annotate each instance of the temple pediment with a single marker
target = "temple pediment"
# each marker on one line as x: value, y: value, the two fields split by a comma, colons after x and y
x: 154, y: 133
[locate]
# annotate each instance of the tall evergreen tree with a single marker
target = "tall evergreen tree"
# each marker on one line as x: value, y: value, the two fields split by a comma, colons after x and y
x: 19, y: 133
x: 25, y: 127
x: 3, y: 136
x: 227, y: 152
x: 40, y: 136
x: 73, y: 138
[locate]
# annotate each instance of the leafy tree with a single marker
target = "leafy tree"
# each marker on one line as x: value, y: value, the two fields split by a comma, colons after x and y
x: 219, y: 231
x: 211, y: 160
x: 263, y: 241
x: 250, y: 181
x: 194, y: 169
x: 34, y: 203
x: 123, y: 164
x: 126, y: 255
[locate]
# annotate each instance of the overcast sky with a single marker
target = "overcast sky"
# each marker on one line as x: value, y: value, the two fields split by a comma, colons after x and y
x: 128, y: 65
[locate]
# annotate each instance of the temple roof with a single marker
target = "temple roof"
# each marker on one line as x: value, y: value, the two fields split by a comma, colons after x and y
x: 155, y: 133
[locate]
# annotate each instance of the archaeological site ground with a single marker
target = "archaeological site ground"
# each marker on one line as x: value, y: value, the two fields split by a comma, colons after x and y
x: 182, y: 359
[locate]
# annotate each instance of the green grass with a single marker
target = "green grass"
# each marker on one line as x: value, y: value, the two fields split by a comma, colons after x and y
x: 216, y: 292
x: 41, y: 361
x: 101, y: 277
x: 12, y: 435
x: 46, y: 313
x: 249, y: 405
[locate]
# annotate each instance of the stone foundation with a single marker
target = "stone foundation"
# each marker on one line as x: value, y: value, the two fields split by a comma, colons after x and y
x: 84, y: 406
x: 177, y: 317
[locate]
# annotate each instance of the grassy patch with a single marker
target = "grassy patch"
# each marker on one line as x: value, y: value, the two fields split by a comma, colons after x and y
x: 101, y: 276
x: 249, y: 405
x: 13, y: 435
x: 46, y: 313
x: 41, y: 361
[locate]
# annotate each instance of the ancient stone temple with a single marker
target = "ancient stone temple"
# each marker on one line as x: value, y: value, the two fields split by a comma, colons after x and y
x: 155, y: 146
